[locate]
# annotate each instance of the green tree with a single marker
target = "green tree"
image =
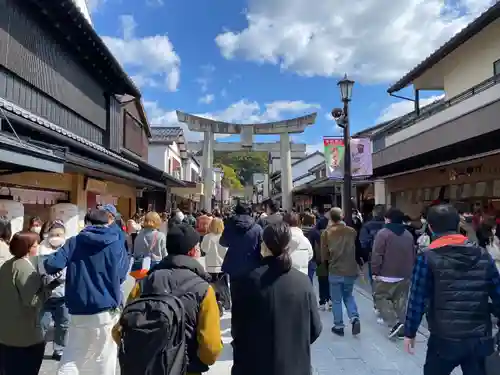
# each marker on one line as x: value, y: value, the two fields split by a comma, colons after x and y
x: 244, y: 163
x: 231, y: 179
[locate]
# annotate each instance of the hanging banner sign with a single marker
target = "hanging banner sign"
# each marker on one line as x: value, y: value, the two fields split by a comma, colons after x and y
x: 334, y: 157
x: 361, y: 158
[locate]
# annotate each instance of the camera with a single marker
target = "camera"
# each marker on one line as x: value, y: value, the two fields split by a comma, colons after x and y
x: 339, y: 117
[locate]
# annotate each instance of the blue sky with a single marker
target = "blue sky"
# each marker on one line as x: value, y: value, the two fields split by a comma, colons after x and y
x: 228, y: 59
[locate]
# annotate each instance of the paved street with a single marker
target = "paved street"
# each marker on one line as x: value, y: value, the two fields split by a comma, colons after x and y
x: 369, y: 354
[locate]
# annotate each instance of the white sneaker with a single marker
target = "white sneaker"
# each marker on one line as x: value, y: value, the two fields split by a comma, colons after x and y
x: 322, y: 307
x: 380, y: 321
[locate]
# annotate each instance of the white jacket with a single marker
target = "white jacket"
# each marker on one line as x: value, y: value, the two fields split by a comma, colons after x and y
x: 300, y: 250
x: 214, y: 252
x: 494, y: 250
x: 43, y: 251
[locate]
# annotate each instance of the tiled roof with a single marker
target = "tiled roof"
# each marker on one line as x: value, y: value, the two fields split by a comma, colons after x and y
x: 165, y: 133
x: 10, y: 107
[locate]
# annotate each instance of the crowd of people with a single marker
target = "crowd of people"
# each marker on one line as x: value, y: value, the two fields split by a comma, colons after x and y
x: 136, y: 294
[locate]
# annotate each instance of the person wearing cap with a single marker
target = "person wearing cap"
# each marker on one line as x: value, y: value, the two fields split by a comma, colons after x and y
x: 180, y: 267
x: 113, y: 216
x: 97, y: 265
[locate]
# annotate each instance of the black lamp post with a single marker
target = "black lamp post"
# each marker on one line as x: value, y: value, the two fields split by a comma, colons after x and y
x: 221, y: 191
x: 341, y: 116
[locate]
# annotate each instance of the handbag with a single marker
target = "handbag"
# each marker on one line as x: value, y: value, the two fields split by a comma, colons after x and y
x: 143, y: 263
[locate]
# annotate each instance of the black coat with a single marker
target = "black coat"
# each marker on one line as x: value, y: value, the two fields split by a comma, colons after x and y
x: 275, y: 319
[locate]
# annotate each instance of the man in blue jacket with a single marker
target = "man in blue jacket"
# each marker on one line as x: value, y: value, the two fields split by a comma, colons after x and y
x: 96, y: 265
x: 243, y: 237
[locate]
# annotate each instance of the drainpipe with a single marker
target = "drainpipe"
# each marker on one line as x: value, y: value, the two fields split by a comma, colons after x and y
x: 417, y: 102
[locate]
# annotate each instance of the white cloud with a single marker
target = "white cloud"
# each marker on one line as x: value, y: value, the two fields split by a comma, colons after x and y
x: 207, y: 99
x: 403, y: 107
x: 243, y: 111
x: 93, y: 5
x: 155, y: 3
x: 312, y: 148
x: 371, y: 40
x: 206, y: 77
x: 151, y: 60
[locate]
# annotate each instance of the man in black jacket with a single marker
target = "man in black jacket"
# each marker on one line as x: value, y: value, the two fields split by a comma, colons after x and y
x: 453, y: 280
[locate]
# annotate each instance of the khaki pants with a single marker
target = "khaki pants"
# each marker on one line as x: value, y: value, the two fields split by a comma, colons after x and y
x: 391, y: 300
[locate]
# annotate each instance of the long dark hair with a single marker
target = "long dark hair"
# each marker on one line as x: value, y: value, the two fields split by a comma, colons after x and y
x: 5, y: 229
x: 277, y: 237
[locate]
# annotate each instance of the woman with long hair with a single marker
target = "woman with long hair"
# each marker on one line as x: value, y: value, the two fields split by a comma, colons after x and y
x: 214, y: 256
x: 150, y: 246
x: 23, y: 291
x: 276, y: 308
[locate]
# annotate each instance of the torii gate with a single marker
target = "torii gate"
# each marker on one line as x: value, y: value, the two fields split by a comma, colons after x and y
x: 246, y: 131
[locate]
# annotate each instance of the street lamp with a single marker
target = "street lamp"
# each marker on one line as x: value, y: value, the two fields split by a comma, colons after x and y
x: 341, y: 117
x: 221, y: 192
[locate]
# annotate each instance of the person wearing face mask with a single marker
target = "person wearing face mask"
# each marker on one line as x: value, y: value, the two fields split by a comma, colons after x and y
x: 35, y: 225
x: 55, y: 308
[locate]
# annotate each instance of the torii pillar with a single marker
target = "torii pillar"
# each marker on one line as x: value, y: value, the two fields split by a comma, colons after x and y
x: 283, y: 128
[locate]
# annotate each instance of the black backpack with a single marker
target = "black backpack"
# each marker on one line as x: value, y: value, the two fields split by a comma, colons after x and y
x: 153, y: 337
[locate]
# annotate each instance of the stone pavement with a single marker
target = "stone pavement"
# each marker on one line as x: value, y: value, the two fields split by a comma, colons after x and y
x: 369, y: 354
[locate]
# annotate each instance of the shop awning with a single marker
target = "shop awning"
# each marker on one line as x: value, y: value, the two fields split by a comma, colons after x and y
x: 22, y: 155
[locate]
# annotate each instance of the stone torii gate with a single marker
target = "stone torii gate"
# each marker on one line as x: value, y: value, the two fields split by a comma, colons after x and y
x: 283, y: 128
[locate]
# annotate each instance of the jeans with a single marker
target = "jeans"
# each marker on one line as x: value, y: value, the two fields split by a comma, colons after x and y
x: 341, y: 289
x: 55, y: 310
x: 17, y: 361
x: 443, y: 356
x: 311, y: 270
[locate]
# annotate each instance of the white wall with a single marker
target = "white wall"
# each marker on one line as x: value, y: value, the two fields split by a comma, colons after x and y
x: 158, y: 156
x: 472, y: 62
x: 303, y: 166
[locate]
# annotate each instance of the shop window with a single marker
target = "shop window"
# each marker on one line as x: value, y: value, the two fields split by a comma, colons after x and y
x: 496, y: 67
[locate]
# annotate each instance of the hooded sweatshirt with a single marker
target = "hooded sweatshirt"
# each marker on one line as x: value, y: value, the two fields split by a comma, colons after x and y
x: 300, y: 250
x: 243, y: 237
x: 97, y: 264
x: 393, y: 252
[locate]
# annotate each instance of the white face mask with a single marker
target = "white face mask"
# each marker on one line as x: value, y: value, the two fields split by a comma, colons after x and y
x: 56, y: 242
x: 422, y: 220
x: 36, y: 229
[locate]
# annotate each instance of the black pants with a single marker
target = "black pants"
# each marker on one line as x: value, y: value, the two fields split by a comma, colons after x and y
x: 324, y: 289
x: 17, y: 361
x: 443, y: 356
x: 220, y: 284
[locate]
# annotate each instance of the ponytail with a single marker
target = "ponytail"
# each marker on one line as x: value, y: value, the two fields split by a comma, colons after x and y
x: 276, y: 237
x: 284, y: 260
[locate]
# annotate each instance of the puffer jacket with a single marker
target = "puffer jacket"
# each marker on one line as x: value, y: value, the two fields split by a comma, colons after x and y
x: 300, y: 250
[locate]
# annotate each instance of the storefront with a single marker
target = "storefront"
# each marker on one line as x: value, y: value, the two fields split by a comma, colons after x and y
x: 468, y: 184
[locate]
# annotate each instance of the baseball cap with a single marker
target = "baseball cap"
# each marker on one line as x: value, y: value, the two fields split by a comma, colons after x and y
x: 110, y: 209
